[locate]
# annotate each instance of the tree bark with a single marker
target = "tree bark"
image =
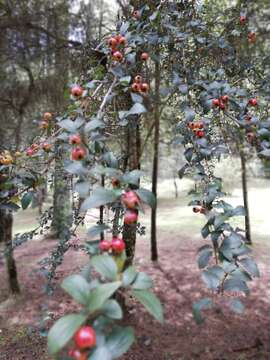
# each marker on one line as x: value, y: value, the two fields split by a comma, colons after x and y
x: 245, y: 197
x: 6, y: 223
x: 154, y: 249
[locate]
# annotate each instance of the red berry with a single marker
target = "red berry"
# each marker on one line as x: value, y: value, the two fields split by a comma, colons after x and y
x: 46, y: 147
x: 138, y: 79
x: 202, y: 210
x: 47, y: 116
x: 250, y: 136
x: 136, y: 14
x: 253, y: 102
x: 191, y: 125
x: 35, y: 147
x: 75, y: 139
x: 78, y: 153
x: 215, y: 102
x: 112, y: 42
x: 144, y: 56
x: 118, y: 245
x: 144, y: 88
x: 44, y: 125
x: 248, y: 118
x: 200, y: 134
x: 77, y: 354
x: 29, y: 152
x: 222, y: 105
x: 115, y: 182
x: 85, y: 338
x: 130, y: 217
x: 196, y: 209
x: 118, y: 56
x: 122, y: 41
x: 130, y: 199
x: 104, y: 245
x: 224, y: 98
x: 77, y: 91
x: 252, y: 37
x: 242, y: 19
x: 135, y: 87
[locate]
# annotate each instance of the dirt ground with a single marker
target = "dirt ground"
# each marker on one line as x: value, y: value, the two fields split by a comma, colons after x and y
x: 223, y: 336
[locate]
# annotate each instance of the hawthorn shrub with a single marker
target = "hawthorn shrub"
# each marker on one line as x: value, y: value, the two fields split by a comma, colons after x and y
x: 208, y: 74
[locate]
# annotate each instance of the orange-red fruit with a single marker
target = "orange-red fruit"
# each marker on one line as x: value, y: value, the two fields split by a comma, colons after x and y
x: 44, y: 125
x: 75, y: 139
x: 222, y: 105
x: 77, y: 354
x: 135, y: 87
x: 130, y: 199
x: 200, y: 134
x: 118, y: 56
x: 253, y: 102
x: 196, y: 209
x: 252, y: 37
x: 115, y: 182
x: 46, y: 147
x: 224, y: 98
x: 35, y: 147
x: 78, y: 153
x: 191, y: 125
x: 118, y: 245
x: 138, y: 79
x: 144, y: 88
x: 112, y: 42
x: 145, y: 56
x: 250, y: 136
x: 130, y: 217
x: 242, y: 19
x: 136, y: 14
x: 77, y: 91
x: 30, y: 152
x: 47, y: 116
x: 85, y: 338
x: 248, y: 118
x: 104, y: 245
x: 215, y: 102
x: 122, y: 41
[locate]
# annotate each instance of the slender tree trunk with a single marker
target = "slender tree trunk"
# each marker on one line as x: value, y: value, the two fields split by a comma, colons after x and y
x: 154, y: 249
x: 101, y: 210
x: 6, y: 223
x: 245, y: 197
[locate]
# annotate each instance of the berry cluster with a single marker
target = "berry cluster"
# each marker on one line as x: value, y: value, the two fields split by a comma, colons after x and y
x: 221, y: 102
x: 198, y: 128
x: 117, y: 245
x: 117, y: 43
x: 199, y: 209
x: 47, y: 118
x: 139, y: 86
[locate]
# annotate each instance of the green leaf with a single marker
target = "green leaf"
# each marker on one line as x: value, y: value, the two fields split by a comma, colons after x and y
x: 77, y: 287
x: 101, y: 353
x: 101, y: 294
x: 125, y: 80
x: 237, y: 306
x: 96, y: 230
x: 112, y: 310
x: 142, y: 282
x: 99, y: 197
x: 150, y: 302
x: 105, y: 266
x: 26, y: 200
x: 119, y: 341
x: 133, y: 177
x: 63, y: 330
x: 147, y: 197
x: 68, y: 125
x: 204, y: 256
x: 198, y: 306
x: 93, y: 125
x: 250, y: 266
x: 137, y: 109
x: 129, y: 275
x: 211, y: 280
x: 236, y: 285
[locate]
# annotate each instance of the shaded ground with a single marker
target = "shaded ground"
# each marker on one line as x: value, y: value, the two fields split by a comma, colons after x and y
x: 223, y: 335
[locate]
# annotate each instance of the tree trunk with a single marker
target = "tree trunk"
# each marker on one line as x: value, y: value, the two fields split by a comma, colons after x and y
x: 154, y: 249
x: 245, y: 197
x: 6, y: 223
x: 133, y: 148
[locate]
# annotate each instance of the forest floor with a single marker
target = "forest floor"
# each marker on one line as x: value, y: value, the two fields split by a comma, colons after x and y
x: 223, y: 336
